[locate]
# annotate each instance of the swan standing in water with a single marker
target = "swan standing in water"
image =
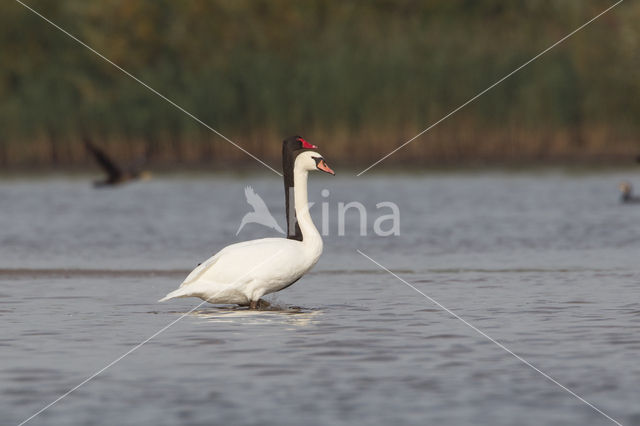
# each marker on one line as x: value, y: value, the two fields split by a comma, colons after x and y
x: 244, y: 272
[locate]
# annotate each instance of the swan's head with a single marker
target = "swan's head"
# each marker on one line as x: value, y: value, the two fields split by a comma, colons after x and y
x: 311, y: 160
x: 295, y: 143
x: 625, y: 188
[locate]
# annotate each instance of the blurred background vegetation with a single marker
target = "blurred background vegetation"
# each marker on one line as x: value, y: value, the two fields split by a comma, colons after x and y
x: 356, y: 77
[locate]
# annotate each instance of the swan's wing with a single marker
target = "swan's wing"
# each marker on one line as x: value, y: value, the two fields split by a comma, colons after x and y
x: 254, y: 200
x: 201, y: 269
x: 103, y: 160
x: 234, y: 263
x: 207, y: 264
x: 197, y: 273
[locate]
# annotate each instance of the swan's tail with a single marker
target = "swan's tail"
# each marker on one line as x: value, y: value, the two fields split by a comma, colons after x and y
x: 181, y: 292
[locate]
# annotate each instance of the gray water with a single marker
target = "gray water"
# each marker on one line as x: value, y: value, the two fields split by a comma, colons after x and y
x: 546, y: 264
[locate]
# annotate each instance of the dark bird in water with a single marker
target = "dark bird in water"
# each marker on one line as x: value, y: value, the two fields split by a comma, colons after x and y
x: 115, y: 175
x: 627, y: 196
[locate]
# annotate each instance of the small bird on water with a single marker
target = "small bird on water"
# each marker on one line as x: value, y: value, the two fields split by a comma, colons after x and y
x: 627, y: 196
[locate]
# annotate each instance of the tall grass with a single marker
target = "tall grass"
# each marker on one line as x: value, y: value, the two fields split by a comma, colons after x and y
x: 358, y: 78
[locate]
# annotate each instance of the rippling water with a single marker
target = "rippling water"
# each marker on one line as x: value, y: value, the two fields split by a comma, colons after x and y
x: 547, y: 264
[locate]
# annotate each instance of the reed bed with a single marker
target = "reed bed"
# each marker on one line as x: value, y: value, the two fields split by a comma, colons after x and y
x: 358, y: 78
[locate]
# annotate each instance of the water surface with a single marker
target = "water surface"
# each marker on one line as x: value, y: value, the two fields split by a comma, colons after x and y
x: 547, y: 264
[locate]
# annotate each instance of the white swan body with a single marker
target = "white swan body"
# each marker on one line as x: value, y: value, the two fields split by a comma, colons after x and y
x: 244, y: 272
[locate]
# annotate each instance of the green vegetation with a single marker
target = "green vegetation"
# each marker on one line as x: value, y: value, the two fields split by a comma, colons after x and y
x: 356, y: 77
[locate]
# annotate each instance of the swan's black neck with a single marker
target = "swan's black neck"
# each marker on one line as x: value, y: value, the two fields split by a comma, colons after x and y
x: 291, y: 148
x: 288, y: 157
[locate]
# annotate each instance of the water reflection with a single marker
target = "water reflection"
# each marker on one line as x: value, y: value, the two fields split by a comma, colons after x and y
x: 295, y: 316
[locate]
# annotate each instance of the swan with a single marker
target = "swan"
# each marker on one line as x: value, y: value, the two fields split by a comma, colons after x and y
x: 115, y: 175
x: 244, y: 272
